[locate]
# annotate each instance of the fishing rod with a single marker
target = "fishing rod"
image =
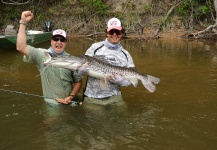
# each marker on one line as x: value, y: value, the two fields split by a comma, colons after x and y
x: 72, y: 103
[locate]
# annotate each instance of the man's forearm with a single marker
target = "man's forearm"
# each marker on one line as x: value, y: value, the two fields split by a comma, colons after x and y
x: 76, y: 88
x: 22, y: 47
x: 21, y: 39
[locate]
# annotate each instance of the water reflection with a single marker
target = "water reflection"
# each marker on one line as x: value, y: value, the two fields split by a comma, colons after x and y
x: 181, y: 114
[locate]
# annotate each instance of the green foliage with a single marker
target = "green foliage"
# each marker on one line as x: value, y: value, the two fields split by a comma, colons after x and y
x: 65, y: 3
x: 119, y: 16
x: 95, y: 6
x: 160, y: 20
x: 148, y: 7
x: 51, y: 11
x: 203, y: 12
x: 13, y: 16
x: 85, y: 15
x: 169, y: 20
x: 198, y: 9
x: 184, y: 8
x: 204, y: 9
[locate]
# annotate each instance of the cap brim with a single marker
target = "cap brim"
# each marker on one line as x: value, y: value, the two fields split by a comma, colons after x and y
x: 117, y: 28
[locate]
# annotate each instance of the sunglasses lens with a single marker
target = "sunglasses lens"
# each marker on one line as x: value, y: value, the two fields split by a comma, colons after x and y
x: 62, y: 40
x: 117, y: 32
x: 57, y: 39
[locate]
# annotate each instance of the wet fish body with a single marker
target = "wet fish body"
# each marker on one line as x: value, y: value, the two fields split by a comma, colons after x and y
x: 99, y: 68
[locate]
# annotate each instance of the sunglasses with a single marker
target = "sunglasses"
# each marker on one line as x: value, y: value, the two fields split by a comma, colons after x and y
x: 117, y: 32
x: 56, y: 39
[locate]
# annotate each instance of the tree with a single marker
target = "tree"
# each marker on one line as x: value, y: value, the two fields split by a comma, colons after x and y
x: 209, y: 32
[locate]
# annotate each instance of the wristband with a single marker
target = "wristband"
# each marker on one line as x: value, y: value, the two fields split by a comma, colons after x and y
x: 72, y: 95
x: 21, y: 22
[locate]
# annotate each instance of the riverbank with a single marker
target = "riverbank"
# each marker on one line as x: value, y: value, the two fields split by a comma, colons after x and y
x: 147, y: 35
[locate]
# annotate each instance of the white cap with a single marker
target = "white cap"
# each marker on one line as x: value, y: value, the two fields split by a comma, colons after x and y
x: 114, y: 23
x: 59, y: 32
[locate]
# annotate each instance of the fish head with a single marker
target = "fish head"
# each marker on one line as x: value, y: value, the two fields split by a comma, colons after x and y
x: 66, y: 61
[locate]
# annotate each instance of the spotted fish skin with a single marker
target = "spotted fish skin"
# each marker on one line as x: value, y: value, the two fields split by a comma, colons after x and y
x: 99, y: 68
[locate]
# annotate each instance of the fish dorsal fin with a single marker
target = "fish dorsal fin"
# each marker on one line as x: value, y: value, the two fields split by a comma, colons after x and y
x: 101, y: 58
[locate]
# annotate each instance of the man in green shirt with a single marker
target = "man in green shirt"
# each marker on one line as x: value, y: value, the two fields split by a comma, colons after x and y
x: 59, y: 85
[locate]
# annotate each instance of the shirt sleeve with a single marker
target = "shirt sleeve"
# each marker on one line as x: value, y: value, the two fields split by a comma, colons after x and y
x: 76, y: 77
x: 93, y: 47
x: 35, y: 55
x: 29, y: 58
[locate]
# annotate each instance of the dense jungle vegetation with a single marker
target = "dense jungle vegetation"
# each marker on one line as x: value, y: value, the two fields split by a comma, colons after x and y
x: 89, y: 17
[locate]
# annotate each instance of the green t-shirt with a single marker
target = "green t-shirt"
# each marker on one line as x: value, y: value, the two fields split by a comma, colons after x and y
x: 56, y: 82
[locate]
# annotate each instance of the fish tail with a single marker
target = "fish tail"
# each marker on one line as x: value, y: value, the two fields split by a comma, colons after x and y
x: 153, y: 79
x: 149, y: 81
x: 148, y: 84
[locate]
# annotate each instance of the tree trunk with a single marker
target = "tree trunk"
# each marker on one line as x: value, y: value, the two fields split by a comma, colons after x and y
x: 164, y: 20
x: 215, y: 6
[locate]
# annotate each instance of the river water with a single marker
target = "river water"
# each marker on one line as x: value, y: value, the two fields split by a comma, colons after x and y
x: 180, y: 114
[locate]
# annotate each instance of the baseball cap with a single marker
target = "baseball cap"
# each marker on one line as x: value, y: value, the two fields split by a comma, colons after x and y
x: 59, y: 32
x: 114, y: 23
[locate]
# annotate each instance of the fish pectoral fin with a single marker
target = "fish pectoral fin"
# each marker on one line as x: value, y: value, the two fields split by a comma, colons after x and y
x: 134, y: 82
x: 104, y: 85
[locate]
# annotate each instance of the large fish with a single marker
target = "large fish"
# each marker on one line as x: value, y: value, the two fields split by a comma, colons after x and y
x: 99, y: 68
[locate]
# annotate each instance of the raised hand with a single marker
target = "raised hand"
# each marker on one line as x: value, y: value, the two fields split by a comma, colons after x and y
x: 27, y: 16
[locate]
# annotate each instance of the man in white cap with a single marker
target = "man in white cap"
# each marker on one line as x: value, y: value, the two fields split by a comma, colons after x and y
x: 115, y: 54
x: 59, y: 85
